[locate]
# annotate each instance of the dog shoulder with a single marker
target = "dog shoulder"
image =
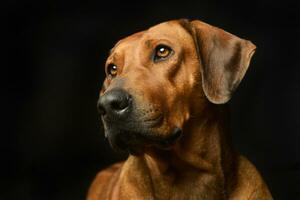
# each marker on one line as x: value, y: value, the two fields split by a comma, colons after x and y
x: 104, y: 182
x: 249, y: 184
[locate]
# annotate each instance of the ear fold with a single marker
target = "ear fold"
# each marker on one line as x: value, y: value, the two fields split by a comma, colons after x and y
x: 224, y: 58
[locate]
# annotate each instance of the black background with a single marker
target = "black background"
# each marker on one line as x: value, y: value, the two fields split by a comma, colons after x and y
x: 52, y: 143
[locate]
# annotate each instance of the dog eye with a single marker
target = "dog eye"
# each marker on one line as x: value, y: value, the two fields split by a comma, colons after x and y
x: 112, y: 70
x: 162, y: 52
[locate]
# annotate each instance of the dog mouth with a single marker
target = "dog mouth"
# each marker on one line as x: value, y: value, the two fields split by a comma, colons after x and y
x: 140, y: 128
x: 134, y: 138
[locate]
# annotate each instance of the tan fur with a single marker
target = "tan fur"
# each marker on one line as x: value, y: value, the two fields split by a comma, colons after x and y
x: 202, y: 164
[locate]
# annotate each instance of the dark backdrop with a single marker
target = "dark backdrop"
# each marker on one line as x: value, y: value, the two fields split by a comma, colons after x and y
x: 52, y: 143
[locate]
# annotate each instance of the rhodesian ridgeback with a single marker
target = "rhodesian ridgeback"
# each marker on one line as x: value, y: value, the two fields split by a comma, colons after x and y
x: 164, y: 102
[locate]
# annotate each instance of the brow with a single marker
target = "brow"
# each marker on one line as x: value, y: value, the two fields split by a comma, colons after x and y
x: 112, y: 49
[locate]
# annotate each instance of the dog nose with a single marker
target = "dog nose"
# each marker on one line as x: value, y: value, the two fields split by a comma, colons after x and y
x: 116, y: 103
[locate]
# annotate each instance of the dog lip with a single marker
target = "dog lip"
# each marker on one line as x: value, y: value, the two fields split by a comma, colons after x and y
x: 135, y: 143
x: 176, y: 134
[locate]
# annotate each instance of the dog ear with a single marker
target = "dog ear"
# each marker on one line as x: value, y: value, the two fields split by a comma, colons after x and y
x: 224, y: 58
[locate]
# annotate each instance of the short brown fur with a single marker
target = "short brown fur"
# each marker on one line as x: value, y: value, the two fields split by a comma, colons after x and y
x: 202, y: 164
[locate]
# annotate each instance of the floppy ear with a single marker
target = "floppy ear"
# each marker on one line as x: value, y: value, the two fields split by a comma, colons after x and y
x: 224, y: 58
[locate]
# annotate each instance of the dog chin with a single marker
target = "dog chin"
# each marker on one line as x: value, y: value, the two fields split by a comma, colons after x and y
x: 135, y: 143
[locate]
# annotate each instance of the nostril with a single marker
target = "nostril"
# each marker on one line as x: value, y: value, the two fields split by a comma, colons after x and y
x: 101, y: 109
x: 120, y: 103
x: 114, y: 103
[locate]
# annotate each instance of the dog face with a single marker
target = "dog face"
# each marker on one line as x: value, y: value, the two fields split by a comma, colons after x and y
x: 158, y: 78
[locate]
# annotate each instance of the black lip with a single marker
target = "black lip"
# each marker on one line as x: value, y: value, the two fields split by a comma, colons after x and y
x: 176, y: 134
x: 163, y: 142
x: 134, y: 141
x: 135, y: 132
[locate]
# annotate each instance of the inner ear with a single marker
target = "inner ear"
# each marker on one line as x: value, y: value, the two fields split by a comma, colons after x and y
x: 223, y: 58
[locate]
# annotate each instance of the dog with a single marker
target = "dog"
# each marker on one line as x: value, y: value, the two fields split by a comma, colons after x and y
x: 164, y: 102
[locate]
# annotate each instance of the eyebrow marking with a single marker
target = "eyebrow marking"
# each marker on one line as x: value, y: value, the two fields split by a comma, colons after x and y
x: 148, y: 43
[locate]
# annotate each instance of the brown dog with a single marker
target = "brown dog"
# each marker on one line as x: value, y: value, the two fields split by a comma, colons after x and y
x: 162, y: 101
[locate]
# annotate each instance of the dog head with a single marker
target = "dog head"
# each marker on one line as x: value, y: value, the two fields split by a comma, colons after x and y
x: 157, y: 79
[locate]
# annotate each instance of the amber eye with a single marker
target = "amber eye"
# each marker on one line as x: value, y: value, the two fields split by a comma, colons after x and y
x: 162, y: 52
x: 112, y: 70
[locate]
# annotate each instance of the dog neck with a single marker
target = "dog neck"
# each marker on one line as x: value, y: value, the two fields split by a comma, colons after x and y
x: 204, y: 148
